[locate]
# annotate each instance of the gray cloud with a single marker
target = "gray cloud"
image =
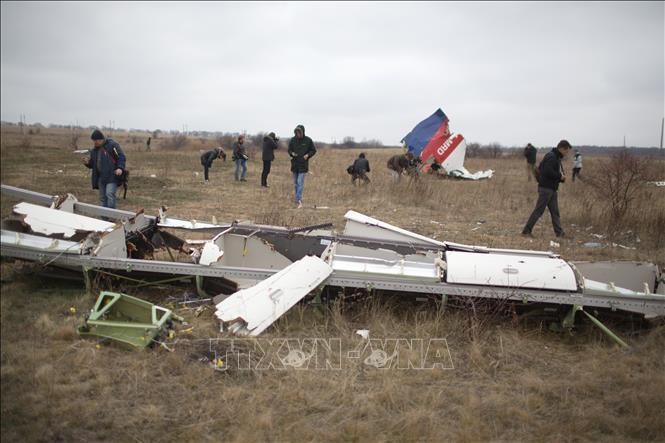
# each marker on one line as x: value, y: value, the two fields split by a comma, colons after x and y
x: 505, y: 72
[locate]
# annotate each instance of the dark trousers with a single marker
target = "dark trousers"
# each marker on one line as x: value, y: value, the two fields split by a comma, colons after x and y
x: 265, y: 172
x: 205, y: 172
x: 576, y: 172
x: 547, y: 198
x: 359, y: 176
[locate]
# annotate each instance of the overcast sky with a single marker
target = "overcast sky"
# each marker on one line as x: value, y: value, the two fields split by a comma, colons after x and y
x: 506, y: 72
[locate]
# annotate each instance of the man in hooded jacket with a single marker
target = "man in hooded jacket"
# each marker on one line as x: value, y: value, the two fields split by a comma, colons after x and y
x: 107, y: 162
x: 269, y: 146
x: 301, y: 149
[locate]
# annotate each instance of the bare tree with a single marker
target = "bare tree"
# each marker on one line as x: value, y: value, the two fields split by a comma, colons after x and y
x: 618, y: 182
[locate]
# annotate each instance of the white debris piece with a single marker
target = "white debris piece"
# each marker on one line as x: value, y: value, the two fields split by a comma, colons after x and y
x: 40, y: 243
x: 356, y: 259
x: 49, y: 221
x: 360, y: 225
x: 185, y: 224
x: 509, y: 270
x: 462, y: 172
x: 211, y: 253
x: 252, y: 310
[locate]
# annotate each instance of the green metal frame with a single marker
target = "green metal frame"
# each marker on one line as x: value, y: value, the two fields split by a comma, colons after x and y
x: 569, y: 320
x: 126, y: 319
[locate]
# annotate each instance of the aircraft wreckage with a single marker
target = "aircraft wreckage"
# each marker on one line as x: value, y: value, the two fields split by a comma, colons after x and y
x: 258, y: 272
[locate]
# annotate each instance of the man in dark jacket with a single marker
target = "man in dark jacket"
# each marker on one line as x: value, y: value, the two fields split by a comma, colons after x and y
x: 530, y: 154
x: 207, y: 159
x: 269, y: 146
x: 301, y: 149
x: 360, y: 169
x: 551, y: 174
x: 107, y: 162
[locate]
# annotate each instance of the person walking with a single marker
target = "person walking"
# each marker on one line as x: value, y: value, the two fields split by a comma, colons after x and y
x: 269, y: 146
x: 107, y: 162
x: 207, y: 159
x: 530, y: 154
x: 147, y: 144
x: 240, y: 157
x: 549, y: 176
x: 360, y: 169
x: 577, y: 164
x: 301, y: 149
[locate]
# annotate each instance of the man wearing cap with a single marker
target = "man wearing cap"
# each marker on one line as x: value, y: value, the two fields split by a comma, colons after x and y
x: 551, y: 174
x: 107, y: 162
x: 207, y: 159
x: 269, y: 146
x: 301, y: 149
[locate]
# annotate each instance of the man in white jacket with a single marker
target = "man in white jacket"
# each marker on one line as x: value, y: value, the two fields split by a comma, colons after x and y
x: 577, y: 164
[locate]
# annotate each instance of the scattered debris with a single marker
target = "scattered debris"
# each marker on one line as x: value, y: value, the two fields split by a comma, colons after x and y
x: 255, y: 273
x: 126, y: 319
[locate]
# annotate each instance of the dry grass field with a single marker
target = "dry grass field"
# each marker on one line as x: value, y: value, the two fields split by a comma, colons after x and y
x: 512, y: 379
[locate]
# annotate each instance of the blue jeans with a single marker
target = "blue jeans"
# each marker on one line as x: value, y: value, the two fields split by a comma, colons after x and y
x: 107, y: 194
x: 241, y: 163
x: 299, y: 182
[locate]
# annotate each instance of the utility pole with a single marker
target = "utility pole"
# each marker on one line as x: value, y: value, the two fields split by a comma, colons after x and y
x: 624, y: 142
x: 662, y: 123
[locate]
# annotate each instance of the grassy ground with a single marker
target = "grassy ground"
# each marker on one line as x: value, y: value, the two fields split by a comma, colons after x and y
x: 511, y: 380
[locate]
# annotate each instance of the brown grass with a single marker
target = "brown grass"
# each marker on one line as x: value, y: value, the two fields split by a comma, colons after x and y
x: 512, y: 380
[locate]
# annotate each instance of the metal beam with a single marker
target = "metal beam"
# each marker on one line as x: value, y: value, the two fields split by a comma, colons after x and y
x: 79, y: 208
x: 649, y: 305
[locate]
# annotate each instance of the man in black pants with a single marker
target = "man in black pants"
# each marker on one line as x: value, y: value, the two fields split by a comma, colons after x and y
x: 360, y: 169
x: 207, y: 159
x: 269, y: 146
x: 549, y: 177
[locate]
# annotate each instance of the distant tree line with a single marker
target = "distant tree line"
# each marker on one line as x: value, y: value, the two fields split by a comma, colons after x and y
x: 495, y: 150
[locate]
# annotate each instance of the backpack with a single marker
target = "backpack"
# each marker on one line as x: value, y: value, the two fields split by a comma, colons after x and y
x: 123, y: 179
x: 536, y: 172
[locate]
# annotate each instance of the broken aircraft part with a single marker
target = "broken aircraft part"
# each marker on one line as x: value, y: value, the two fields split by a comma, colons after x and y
x: 126, y: 319
x: 252, y: 310
x: 369, y: 254
x: 432, y: 142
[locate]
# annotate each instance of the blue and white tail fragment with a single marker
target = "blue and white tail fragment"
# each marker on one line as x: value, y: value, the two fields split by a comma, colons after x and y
x: 432, y: 142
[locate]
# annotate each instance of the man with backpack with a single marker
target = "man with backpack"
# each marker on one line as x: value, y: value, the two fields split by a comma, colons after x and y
x: 549, y: 175
x: 530, y: 154
x: 107, y: 162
